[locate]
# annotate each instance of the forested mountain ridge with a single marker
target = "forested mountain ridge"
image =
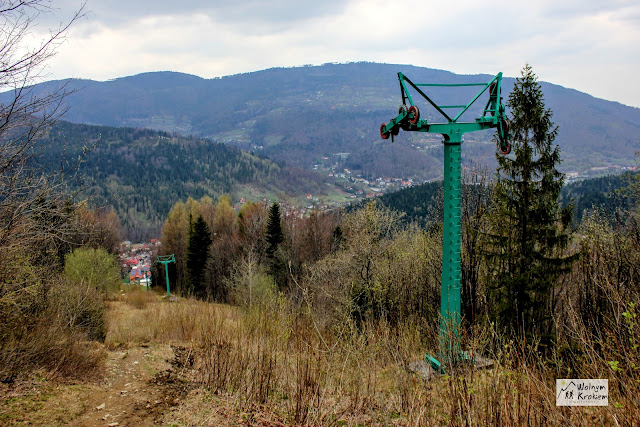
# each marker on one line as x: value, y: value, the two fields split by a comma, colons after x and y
x: 302, y: 114
x: 606, y: 193
x: 143, y: 172
x: 422, y: 204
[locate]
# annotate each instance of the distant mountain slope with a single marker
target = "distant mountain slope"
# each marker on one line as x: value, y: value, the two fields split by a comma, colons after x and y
x: 419, y: 204
x: 602, y: 193
x: 302, y: 114
x: 142, y: 172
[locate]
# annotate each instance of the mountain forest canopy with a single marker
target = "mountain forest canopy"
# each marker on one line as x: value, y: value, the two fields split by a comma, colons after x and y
x: 300, y: 115
x: 141, y: 172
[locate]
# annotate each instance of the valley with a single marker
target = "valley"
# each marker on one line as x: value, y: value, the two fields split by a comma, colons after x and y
x: 307, y: 136
x: 301, y: 115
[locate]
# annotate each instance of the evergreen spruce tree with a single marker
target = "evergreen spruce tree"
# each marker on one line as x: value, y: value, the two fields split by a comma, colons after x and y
x: 529, y: 229
x: 274, y: 238
x: 274, y: 230
x: 197, y: 254
x: 337, y: 239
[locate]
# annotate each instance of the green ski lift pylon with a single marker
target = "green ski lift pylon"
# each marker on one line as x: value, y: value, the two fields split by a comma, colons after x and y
x: 408, y: 119
x: 166, y: 259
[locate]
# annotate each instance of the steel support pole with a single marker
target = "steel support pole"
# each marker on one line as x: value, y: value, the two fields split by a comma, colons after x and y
x: 166, y: 273
x: 450, y: 349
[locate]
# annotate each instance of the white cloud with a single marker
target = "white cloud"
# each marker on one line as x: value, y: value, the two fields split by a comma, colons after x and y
x: 589, y: 45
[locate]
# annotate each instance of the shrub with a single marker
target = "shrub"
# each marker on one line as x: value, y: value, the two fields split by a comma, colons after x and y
x: 95, y: 267
x: 49, y: 330
x: 79, y: 305
x: 138, y: 297
x: 251, y: 285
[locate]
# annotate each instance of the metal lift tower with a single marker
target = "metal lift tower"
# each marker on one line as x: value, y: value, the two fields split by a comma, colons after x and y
x: 408, y: 119
x: 166, y: 259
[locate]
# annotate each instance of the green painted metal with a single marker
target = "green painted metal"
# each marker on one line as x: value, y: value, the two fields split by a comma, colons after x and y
x: 166, y: 259
x: 408, y: 119
x: 450, y: 292
x: 449, y: 84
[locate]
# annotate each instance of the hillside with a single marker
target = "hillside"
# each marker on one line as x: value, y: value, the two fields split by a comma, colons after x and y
x: 301, y: 115
x: 605, y: 193
x: 419, y: 204
x: 142, y: 172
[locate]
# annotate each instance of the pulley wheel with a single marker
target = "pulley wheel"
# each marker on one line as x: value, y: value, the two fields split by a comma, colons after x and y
x: 505, y: 148
x: 414, y: 114
x: 383, y: 134
x: 503, y: 135
x: 503, y: 131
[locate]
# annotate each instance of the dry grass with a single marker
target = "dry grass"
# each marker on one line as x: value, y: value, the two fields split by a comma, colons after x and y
x: 270, y: 364
x: 136, y: 296
x: 157, y: 319
x: 363, y: 379
x: 38, y: 401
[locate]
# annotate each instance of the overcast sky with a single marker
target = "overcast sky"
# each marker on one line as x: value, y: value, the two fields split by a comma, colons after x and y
x: 589, y: 45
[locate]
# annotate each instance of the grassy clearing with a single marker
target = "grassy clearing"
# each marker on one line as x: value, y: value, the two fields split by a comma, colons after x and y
x: 297, y: 376
x: 270, y: 363
x: 138, y: 316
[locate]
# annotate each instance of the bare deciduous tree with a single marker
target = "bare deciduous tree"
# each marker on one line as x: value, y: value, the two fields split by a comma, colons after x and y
x: 25, y: 117
x: 33, y: 214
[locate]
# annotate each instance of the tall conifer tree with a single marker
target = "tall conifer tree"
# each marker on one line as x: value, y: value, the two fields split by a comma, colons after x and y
x: 274, y: 238
x: 529, y: 228
x: 274, y: 230
x: 197, y: 254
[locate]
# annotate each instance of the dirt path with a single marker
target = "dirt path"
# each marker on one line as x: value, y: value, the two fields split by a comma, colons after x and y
x: 140, y: 385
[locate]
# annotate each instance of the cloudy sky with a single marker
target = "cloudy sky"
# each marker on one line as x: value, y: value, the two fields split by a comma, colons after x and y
x: 589, y: 45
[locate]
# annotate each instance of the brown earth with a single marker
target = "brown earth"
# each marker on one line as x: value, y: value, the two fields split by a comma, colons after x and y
x: 139, y: 385
x: 142, y: 386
